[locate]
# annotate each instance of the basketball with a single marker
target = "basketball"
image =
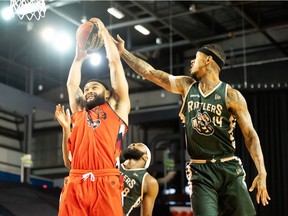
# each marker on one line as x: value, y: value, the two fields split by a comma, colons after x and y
x: 87, y: 37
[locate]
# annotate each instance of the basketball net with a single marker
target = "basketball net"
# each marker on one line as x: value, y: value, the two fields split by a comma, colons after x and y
x: 28, y: 8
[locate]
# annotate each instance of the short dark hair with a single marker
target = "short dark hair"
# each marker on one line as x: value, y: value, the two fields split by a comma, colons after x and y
x: 99, y: 81
x: 216, y: 50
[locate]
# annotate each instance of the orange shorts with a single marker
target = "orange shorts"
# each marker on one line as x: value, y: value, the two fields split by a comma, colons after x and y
x: 91, y: 193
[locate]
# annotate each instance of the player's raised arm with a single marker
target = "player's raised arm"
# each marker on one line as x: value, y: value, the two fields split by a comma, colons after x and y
x: 63, y: 117
x: 74, y: 79
x: 120, y: 92
x: 174, y: 84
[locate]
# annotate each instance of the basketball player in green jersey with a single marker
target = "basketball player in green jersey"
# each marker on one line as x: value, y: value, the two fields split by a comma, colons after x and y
x: 210, y: 110
x: 140, y: 188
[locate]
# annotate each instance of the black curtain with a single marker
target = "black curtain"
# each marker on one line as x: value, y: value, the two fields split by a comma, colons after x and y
x: 268, y: 110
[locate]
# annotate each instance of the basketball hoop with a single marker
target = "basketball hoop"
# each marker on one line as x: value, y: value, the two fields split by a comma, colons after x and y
x: 29, y: 8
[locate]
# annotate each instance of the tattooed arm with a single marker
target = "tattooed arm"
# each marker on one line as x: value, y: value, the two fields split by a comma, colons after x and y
x: 174, y: 84
x: 75, y: 93
x: 236, y: 103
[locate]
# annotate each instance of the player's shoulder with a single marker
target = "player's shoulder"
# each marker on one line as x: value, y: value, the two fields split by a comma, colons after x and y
x: 151, y: 185
x: 150, y: 180
x: 185, y: 83
x: 185, y: 80
x: 233, y: 93
x: 234, y: 98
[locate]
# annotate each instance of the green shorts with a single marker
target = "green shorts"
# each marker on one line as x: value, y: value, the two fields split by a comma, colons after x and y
x: 219, y: 189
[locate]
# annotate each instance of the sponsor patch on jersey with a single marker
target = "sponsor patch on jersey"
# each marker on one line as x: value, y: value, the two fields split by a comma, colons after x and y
x: 194, y: 95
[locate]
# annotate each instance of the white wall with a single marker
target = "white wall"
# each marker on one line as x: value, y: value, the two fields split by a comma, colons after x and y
x: 9, y: 159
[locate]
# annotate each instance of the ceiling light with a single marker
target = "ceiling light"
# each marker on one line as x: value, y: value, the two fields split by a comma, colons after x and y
x: 40, y: 87
x: 116, y: 13
x: 84, y: 19
x: 29, y: 26
x: 62, y: 42
x: 7, y: 13
x: 192, y: 8
x: 48, y: 34
x: 142, y: 29
x: 95, y: 59
x: 158, y: 40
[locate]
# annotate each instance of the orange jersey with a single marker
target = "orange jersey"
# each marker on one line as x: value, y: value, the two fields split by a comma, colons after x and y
x: 96, y: 138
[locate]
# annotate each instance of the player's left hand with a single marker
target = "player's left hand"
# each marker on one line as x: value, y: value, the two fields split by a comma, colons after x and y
x: 120, y: 44
x: 262, y: 193
x: 64, y: 118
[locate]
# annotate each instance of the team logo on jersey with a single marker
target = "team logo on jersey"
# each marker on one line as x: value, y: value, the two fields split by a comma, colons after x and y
x: 202, y: 123
x: 217, y: 97
x: 93, y: 123
x: 98, y: 112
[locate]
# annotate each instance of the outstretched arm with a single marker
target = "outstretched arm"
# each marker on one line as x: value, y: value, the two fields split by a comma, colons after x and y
x: 149, y: 196
x: 120, y: 100
x: 64, y: 120
x: 174, y: 84
x: 236, y: 103
x: 74, y: 79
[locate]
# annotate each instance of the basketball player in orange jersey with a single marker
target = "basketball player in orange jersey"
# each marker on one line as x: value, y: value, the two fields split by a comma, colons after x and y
x: 99, y: 119
x: 139, y: 186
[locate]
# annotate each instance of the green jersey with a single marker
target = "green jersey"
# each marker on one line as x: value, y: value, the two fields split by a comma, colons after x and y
x: 133, y: 187
x: 208, y: 123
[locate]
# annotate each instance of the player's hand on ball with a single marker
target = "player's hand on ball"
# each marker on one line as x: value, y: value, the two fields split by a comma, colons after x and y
x: 88, y: 36
x: 99, y: 23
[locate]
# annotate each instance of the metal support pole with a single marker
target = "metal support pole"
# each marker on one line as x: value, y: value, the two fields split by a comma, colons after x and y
x: 27, y: 145
x: 27, y: 129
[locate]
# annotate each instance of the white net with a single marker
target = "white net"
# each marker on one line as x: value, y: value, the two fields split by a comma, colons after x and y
x: 29, y: 8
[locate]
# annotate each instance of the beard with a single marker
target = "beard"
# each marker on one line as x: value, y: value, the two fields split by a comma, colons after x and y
x: 97, y: 100
x: 130, y: 153
x: 194, y: 75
